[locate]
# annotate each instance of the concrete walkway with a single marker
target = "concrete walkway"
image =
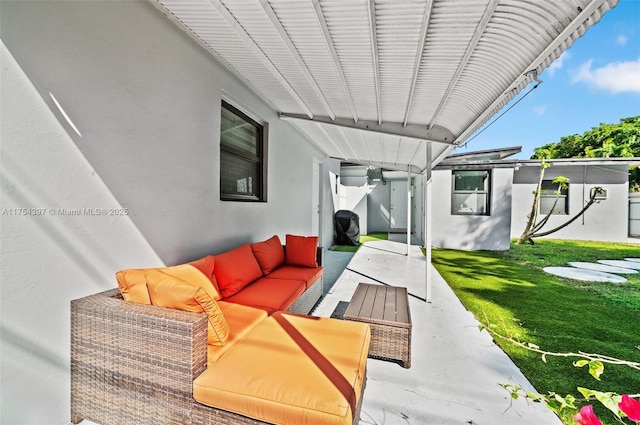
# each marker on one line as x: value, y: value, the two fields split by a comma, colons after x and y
x: 455, y: 368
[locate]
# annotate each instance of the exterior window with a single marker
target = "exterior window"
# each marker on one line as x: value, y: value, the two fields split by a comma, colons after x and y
x: 548, y: 198
x: 471, y: 195
x: 242, y: 157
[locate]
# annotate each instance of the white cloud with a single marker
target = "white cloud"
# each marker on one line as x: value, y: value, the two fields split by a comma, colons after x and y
x: 621, y: 40
x: 615, y: 77
x: 540, y: 110
x: 558, y: 63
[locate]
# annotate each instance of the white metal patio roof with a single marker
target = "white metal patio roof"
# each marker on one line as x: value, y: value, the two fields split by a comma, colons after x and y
x: 369, y: 81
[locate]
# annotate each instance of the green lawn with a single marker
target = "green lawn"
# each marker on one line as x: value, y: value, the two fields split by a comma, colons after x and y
x: 510, y: 292
x: 363, y: 238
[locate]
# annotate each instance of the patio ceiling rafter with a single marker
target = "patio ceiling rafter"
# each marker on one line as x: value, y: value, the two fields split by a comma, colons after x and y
x: 471, y: 47
x: 257, y: 51
x: 416, y: 68
x: 575, y: 29
x: 374, y: 56
x: 335, y: 59
x: 273, y: 18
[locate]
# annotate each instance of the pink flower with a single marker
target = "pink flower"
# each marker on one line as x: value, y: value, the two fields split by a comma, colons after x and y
x: 587, y: 417
x: 631, y: 407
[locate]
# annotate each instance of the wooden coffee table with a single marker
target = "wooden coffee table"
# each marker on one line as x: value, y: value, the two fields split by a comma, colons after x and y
x: 386, y: 310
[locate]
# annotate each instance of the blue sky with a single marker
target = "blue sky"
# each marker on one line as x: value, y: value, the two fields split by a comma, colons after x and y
x: 597, y: 80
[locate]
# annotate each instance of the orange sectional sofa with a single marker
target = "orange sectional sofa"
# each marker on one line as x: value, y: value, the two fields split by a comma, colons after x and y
x: 221, y: 340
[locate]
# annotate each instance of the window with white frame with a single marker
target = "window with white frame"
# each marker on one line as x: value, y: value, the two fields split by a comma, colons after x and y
x: 552, y: 200
x: 242, y: 157
x: 471, y: 192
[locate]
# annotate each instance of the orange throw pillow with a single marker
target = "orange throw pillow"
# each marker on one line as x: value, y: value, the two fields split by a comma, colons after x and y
x: 301, y: 251
x: 236, y: 269
x: 172, y: 292
x: 269, y: 254
x: 206, y: 265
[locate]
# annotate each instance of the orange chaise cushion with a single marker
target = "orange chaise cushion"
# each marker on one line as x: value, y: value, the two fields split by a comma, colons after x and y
x: 269, y: 254
x: 291, y: 370
x: 270, y: 294
x: 301, y: 251
x: 171, y: 292
x: 236, y: 269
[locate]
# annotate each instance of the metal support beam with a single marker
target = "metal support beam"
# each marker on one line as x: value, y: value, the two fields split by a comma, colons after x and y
x: 427, y: 223
x: 408, y: 210
x: 411, y: 131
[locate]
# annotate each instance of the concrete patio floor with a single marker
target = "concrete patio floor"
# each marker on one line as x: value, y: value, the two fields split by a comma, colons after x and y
x: 455, y: 368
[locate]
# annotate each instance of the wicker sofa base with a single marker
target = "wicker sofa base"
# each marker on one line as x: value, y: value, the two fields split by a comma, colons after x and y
x: 135, y: 364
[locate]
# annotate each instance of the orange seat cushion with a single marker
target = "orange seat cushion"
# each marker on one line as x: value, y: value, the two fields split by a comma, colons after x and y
x: 301, y: 251
x: 206, y: 265
x: 241, y: 320
x: 171, y: 292
x: 236, y: 269
x: 307, y: 274
x: 133, y: 282
x: 269, y: 254
x: 291, y: 370
x: 272, y: 294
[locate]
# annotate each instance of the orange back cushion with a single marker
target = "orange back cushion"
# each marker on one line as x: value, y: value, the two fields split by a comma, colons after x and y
x: 301, y: 251
x: 206, y: 265
x: 171, y: 292
x: 269, y: 254
x: 133, y: 282
x: 236, y: 269
x: 133, y: 285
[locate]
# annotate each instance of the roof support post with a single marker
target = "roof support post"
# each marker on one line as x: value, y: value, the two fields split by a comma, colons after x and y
x: 427, y: 222
x: 408, y: 209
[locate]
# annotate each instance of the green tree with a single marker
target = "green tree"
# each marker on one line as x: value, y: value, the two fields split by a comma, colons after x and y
x: 620, y: 140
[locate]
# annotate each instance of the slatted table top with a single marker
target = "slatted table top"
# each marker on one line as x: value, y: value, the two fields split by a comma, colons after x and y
x: 380, y: 304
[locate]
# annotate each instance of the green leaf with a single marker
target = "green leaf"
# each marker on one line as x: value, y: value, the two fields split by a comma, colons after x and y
x: 581, y: 363
x: 596, y: 368
x: 609, y: 400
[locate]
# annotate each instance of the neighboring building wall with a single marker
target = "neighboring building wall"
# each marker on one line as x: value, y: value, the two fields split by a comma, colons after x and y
x: 145, y: 100
x: 331, y: 167
x: 606, y: 220
x: 472, y: 232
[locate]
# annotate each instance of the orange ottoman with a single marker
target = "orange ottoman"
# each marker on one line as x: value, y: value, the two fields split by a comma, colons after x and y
x: 291, y: 370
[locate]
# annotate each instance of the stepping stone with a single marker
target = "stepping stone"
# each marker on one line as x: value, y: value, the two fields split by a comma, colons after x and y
x: 621, y: 263
x: 602, y: 267
x: 635, y: 260
x: 583, y: 274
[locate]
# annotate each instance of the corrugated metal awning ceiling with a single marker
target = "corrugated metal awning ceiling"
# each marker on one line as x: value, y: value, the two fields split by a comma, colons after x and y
x: 369, y: 81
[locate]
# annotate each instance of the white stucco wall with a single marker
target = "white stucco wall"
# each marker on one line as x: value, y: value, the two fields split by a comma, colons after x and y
x: 604, y: 221
x: 472, y: 232
x: 145, y: 100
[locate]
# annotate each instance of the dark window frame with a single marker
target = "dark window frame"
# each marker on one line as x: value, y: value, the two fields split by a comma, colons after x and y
x: 487, y: 192
x: 259, y: 159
